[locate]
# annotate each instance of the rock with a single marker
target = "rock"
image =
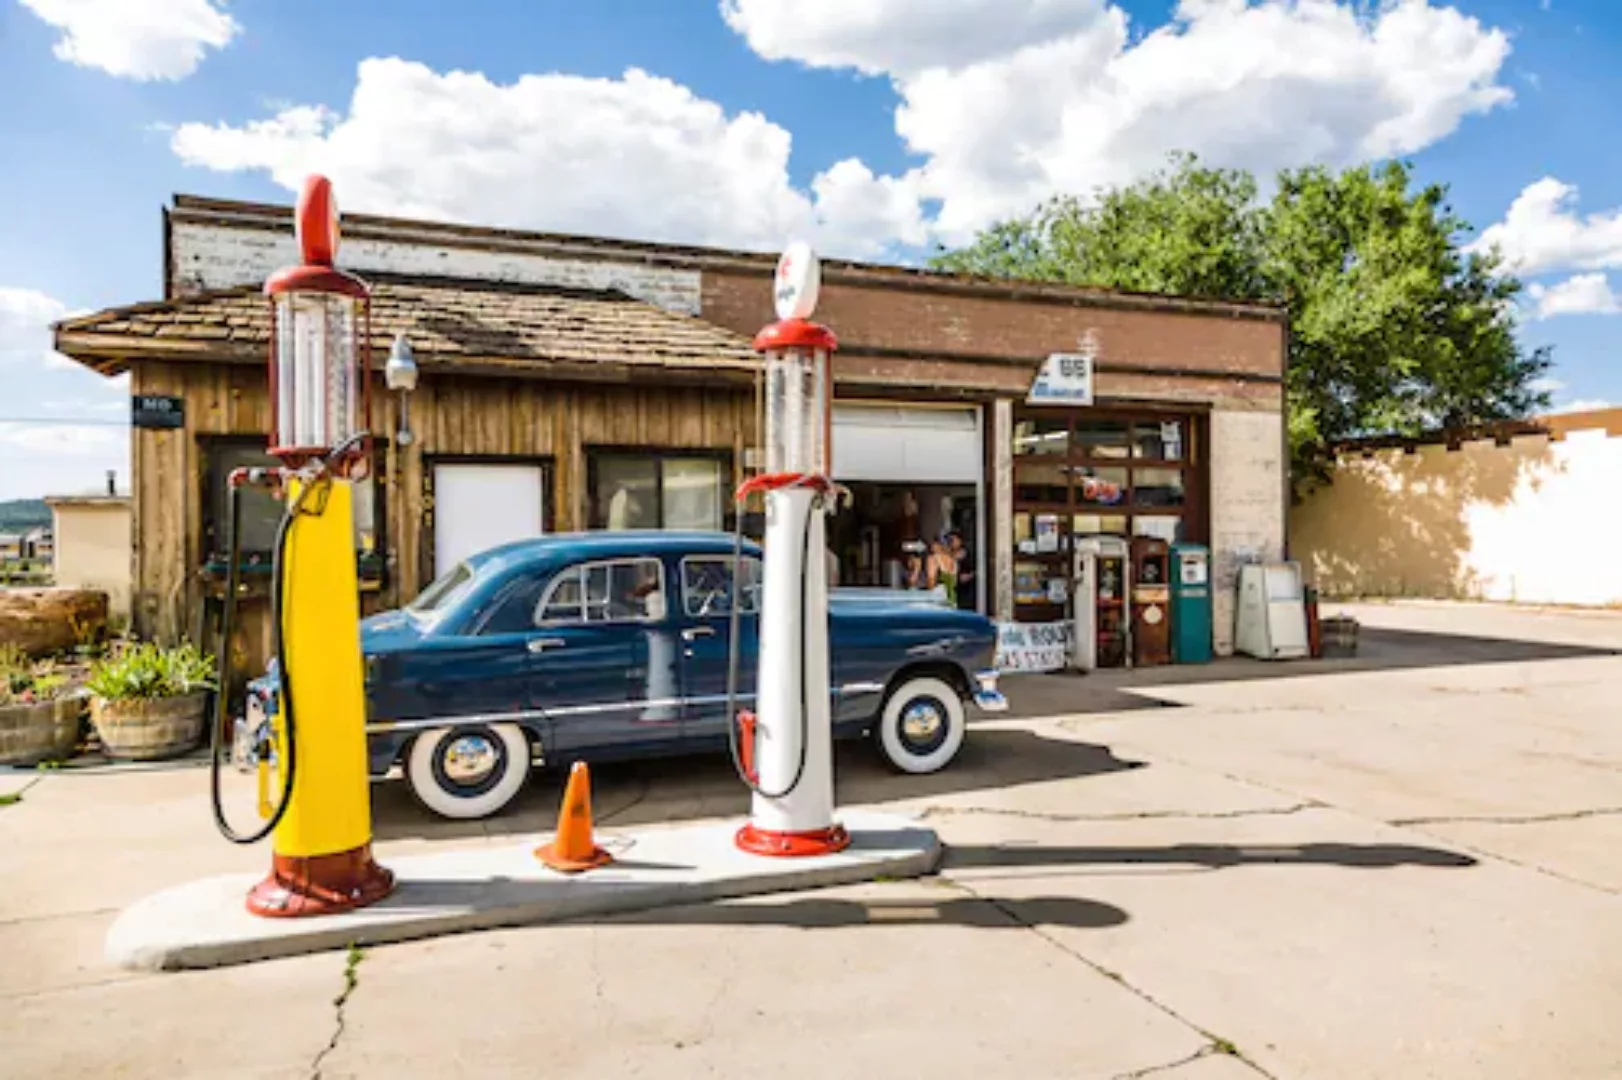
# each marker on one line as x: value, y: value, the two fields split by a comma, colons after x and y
x: 45, y: 621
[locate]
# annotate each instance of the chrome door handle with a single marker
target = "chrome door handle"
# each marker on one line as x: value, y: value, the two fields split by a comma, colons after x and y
x: 541, y: 644
x: 694, y: 632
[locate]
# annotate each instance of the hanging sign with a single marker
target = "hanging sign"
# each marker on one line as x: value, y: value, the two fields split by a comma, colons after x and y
x: 155, y: 411
x: 1065, y: 379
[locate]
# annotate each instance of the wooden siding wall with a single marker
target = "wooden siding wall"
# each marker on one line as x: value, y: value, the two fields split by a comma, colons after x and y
x: 450, y: 415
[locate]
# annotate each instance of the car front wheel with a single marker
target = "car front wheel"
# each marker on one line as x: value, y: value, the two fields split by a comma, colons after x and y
x: 468, y: 771
x: 921, y: 727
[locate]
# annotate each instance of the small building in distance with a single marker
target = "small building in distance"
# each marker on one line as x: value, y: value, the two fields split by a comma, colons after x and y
x: 93, y: 547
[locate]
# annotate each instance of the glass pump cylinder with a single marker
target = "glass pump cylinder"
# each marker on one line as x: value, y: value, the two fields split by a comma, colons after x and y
x: 319, y: 393
x: 797, y: 415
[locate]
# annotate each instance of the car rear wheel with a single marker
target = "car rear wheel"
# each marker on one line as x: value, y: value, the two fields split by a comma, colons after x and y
x: 468, y: 771
x: 921, y: 726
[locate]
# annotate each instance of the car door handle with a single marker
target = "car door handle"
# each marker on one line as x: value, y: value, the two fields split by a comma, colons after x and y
x: 541, y: 644
x: 692, y: 633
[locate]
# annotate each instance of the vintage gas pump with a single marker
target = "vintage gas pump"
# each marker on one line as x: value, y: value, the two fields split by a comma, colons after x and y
x: 320, y: 347
x: 783, y: 750
x: 1190, y: 603
x: 1102, y: 623
x: 1151, y: 601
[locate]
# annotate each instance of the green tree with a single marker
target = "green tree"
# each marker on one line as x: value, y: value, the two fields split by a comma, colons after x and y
x: 1394, y: 327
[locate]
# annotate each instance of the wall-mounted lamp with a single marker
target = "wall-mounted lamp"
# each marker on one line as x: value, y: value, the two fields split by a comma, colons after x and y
x: 400, y: 373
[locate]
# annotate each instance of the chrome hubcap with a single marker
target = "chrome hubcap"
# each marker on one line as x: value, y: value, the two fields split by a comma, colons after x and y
x: 920, y: 722
x: 470, y: 759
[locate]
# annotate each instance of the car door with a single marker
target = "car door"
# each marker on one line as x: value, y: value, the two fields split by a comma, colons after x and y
x: 705, y: 622
x: 607, y: 674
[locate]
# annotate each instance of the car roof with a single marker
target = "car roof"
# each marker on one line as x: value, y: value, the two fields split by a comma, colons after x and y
x: 606, y: 544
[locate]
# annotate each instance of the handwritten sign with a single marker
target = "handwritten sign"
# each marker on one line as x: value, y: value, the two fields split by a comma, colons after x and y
x: 1033, y: 646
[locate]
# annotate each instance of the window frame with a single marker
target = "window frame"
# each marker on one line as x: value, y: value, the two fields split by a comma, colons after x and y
x: 657, y: 455
x: 760, y: 578
x: 578, y: 572
x: 371, y: 565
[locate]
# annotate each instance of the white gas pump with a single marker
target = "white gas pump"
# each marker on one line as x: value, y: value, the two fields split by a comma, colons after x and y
x: 1100, y: 610
x: 784, y: 749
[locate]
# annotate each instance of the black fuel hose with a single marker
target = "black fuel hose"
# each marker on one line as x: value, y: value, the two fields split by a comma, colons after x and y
x: 732, y: 660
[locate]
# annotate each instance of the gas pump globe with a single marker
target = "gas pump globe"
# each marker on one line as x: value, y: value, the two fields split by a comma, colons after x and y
x: 798, y: 377
x: 319, y: 344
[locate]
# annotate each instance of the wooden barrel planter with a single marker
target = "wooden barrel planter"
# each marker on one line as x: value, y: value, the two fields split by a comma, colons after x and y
x: 43, y: 731
x: 149, y: 729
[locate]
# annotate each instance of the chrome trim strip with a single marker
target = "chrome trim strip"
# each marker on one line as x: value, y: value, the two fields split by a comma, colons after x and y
x: 862, y: 688
x: 384, y: 727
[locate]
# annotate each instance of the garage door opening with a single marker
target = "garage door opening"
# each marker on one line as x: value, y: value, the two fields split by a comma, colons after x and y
x: 870, y: 538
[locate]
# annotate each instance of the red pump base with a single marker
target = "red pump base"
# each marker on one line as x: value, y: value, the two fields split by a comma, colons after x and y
x: 320, y: 885
x: 793, y: 844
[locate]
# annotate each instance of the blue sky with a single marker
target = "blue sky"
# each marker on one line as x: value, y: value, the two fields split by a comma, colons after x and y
x: 875, y: 127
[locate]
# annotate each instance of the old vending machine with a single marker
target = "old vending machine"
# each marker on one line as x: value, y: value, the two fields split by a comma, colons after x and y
x: 1099, y: 603
x: 1151, y: 601
x: 1271, y: 623
x: 1190, y: 604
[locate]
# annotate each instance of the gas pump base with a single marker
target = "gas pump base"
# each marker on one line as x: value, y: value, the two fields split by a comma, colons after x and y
x: 204, y: 924
x: 320, y: 885
x: 793, y: 844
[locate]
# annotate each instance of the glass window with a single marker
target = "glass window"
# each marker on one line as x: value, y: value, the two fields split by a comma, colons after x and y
x: 1099, y: 525
x: 1100, y: 439
x: 261, y: 511
x: 630, y: 590
x: 1161, y: 526
x: 627, y: 495
x: 1100, y: 486
x: 1157, y: 487
x: 692, y: 493
x: 1041, y: 482
x: 706, y: 586
x: 1162, y: 441
x: 514, y: 610
x: 1041, y: 435
x: 442, y: 592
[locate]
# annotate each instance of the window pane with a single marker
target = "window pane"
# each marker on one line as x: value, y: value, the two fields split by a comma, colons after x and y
x: 1099, y: 525
x: 442, y: 591
x: 707, y: 587
x: 1041, y: 435
x: 1159, y: 441
x: 1157, y: 487
x: 563, y: 602
x: 627, y: 495
x: 624, y: 591
x: 1101, y: 438
x: 693, y: 493
x: 1043, y: 482
x: 1100, y: 486
x: 516, y: 612
x: 1161, y: 526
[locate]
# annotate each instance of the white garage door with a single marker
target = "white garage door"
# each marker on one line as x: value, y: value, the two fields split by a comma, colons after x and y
x: 897, y: 442
x: 480, y: 506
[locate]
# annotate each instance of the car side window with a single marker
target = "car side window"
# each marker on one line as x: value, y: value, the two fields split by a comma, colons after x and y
x: 706, y: 586
x: 621, y: 590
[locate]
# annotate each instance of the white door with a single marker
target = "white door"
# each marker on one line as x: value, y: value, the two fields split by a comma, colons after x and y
x: 909, y: 445
x: 477, y: 507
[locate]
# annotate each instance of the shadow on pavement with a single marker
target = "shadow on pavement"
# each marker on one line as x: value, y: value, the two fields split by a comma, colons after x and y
x: 818, y: 913
x: 1210, y: 856
x: 1121, y: 690
x: 663, y: 790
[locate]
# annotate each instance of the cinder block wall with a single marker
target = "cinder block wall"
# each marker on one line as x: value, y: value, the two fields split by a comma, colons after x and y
x: 1528, y: 522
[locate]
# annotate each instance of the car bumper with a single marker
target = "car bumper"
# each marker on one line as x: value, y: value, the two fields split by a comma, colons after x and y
x: 987, y: 698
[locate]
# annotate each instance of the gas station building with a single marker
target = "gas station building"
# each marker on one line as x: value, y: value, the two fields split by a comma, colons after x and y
x: 582, y: 383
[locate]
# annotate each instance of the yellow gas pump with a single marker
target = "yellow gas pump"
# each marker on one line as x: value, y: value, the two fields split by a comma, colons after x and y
x: 319, y: 374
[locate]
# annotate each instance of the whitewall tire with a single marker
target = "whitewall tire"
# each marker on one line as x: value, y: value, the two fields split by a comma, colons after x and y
x: 470, y: 770
x: 922, y: 725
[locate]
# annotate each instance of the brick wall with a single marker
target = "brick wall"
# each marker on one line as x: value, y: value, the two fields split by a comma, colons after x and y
x: 211, y: 256
x: 1248, y: 468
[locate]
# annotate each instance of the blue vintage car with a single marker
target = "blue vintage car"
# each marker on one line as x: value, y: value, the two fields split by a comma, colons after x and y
x: 615, y: 644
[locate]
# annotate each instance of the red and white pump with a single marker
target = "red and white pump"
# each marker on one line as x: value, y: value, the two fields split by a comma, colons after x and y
x: 784, y: 748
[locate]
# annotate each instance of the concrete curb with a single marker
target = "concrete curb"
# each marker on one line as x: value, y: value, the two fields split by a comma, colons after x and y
x: 205, y: 924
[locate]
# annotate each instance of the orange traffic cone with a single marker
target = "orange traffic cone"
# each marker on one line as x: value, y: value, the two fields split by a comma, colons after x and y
x: 573, y: 849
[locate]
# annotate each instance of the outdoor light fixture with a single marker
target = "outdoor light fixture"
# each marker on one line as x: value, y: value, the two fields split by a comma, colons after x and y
x: 401, y: 375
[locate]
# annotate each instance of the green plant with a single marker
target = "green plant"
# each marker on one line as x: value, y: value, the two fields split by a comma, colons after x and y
x: 27, y: 682
x: 148, y: 671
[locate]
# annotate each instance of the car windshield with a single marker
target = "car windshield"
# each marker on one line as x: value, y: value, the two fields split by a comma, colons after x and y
x: 444, y: 591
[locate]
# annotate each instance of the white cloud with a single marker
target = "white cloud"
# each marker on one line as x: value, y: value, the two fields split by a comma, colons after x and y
x: 137, y: 39
x: 74, y: 440
x: 1012, y: 101
x: 1543, y: 232
x: 26, y: 316
x: 1582, y: 294
x: 637, y: 156
x: 1547, y: 385
x: 1586, y: 405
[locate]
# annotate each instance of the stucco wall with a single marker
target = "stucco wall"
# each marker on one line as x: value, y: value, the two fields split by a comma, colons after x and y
x: 210, y: 256
x: 1530, y: 522
x: 1247, y: 504
x: 93, y: 551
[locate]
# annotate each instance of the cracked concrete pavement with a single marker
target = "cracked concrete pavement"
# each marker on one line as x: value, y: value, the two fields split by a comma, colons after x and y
x: 1403, y: 867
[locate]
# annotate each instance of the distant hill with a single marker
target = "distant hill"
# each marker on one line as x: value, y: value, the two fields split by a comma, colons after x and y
x: 19, y: 515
